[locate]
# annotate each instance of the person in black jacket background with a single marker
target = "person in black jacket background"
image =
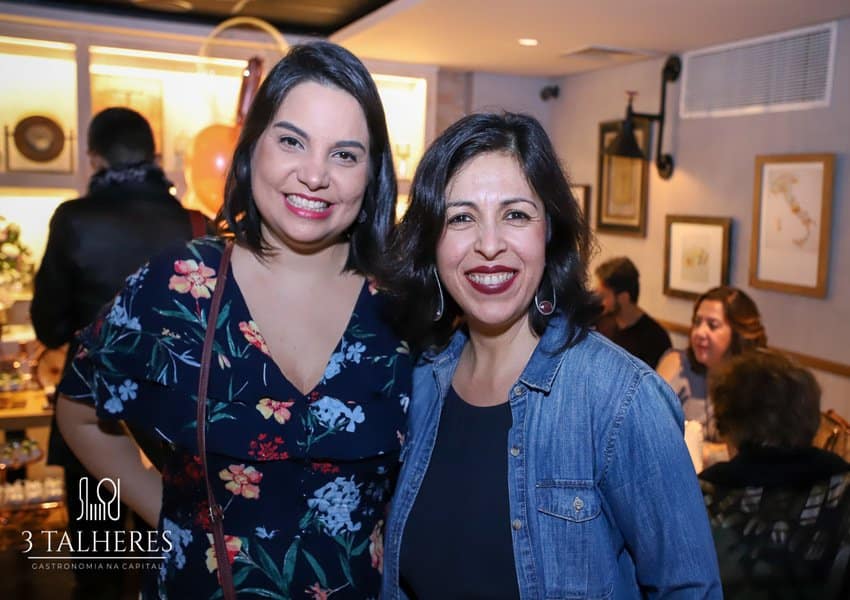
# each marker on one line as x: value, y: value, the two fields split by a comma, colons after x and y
x: 128, y: 214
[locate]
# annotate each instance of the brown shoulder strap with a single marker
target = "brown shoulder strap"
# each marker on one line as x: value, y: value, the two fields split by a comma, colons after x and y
x: 199, y: 223
x: 225, y: 575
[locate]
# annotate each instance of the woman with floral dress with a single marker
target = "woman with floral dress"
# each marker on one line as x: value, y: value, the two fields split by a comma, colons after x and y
x: 308, y: 386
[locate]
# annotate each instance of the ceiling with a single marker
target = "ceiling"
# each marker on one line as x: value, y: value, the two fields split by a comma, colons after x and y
x: 481, y: 35
x: 319, y: 17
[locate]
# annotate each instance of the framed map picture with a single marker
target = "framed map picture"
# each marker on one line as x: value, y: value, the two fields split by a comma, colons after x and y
x: 792, y: 215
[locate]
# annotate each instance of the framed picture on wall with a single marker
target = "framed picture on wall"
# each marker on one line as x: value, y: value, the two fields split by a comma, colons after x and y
x: 696, y: 254
x: 622, y: 183
x: 792, y: 216
x: 581, y: 192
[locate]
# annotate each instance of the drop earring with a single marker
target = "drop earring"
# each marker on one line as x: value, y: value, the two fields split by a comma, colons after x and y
x: 545, y: 307
x: 438, y: 314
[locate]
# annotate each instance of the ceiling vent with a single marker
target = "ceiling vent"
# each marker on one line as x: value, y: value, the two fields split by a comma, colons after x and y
x: 605, y: 53
x: 787, y: 71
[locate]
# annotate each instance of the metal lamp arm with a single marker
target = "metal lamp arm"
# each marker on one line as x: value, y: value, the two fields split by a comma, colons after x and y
x: 663, y: 162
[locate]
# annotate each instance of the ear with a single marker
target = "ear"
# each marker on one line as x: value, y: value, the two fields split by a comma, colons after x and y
x: 97, y: 162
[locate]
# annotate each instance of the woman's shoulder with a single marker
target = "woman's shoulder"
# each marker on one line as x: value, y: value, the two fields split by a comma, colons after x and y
x: 671, y: 363
x: 207, y: 250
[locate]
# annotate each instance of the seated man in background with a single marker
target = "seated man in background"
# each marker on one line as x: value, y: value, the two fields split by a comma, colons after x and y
x: 779, y: 508
x: 618, y: 286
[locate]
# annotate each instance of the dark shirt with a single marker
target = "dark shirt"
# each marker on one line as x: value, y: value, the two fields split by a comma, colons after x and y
x: 94, y: 243
x: 457, y: 543
x: 781, y: 523
x: 646, y: 339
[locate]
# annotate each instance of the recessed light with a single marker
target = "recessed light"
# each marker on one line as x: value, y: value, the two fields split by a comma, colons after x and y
x: 527, y: 42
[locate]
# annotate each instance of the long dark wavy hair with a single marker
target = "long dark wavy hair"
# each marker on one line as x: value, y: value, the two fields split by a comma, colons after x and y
x: 742, y: 314
x: 331, y: 65
x: 414, y: 243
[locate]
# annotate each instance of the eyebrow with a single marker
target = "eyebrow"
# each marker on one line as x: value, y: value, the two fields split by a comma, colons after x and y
x: 297, y: 130
x: 503, y: 203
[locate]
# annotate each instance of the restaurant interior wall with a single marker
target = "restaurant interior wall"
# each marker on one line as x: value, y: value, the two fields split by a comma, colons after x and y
x: 715, y: 164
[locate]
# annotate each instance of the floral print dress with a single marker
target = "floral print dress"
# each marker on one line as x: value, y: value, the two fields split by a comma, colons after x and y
x: 303, y: 479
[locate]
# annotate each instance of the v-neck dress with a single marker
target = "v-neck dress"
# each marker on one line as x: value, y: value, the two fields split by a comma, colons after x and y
x: 303, y: 479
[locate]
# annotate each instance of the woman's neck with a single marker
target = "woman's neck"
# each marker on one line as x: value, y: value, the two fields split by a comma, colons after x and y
x: 492, y: 362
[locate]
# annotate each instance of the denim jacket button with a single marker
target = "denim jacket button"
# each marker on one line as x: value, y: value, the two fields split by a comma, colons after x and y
x: 516, y: 524
x: 515, y: 451
x: 578, y: 503
x: 518, y: 390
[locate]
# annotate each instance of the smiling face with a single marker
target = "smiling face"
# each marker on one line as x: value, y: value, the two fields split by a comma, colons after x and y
x: 711, y: 333
x: 310, y: 168
x: 491, y: 255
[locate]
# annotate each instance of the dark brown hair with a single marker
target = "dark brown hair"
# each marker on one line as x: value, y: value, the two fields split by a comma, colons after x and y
x: 763, y: 398
x: 414, y: 247
x: 331, y: 65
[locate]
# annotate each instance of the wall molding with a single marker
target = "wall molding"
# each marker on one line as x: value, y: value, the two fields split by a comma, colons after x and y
x: 812, y: 362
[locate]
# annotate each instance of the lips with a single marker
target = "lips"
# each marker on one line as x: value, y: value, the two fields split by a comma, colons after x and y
x: 491, y: 280
x: 307, y: 206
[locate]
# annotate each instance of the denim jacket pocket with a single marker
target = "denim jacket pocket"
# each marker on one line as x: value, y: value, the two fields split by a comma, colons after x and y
x: 571, y: 532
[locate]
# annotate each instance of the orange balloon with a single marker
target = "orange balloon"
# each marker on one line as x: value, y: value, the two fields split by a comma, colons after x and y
x: 209, y: 160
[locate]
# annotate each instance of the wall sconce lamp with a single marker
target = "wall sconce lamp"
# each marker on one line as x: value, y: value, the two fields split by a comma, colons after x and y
x: 626, y: 145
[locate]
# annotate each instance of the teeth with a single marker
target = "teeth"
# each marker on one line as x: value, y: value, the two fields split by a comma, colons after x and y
x: 306, y: 204
x: 490, y: 278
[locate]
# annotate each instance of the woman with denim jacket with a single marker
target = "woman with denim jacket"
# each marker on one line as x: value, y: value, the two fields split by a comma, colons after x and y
x: 541, y: 461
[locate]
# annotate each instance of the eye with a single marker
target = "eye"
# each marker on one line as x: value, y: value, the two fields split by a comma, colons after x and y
x: 346, y: 156
x: 517, y: 215
x: 289, y: 142
x: 459, y: 219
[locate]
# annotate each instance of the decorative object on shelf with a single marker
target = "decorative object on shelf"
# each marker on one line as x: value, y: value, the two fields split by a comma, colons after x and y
x: 39, y: 138
x: 14, y: 455
x: 402, y: 155
x: 622, y: 183
x: 696, y: 254
x: 625, y: 145
x: 792, y: 217
x: 581, y: 192
x: 212, y: 148
x: 17, y: 266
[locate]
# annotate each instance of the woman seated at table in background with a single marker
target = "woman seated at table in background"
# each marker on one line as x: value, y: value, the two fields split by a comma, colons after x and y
x: 725, y: 322
x: 779, y: 509
x: 540, y: 459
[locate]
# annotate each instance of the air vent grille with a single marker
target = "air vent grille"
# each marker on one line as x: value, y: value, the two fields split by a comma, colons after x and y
x: 788, y: 71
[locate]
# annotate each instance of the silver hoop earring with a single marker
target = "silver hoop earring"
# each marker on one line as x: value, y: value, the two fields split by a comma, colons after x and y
x: 544, y: 307
x: 361, y: 218
x: 438, y: 314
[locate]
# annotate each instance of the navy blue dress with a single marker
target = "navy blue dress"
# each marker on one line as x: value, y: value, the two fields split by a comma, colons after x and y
x: 303, y: 479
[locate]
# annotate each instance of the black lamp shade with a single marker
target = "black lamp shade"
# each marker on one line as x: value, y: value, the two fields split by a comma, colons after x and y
x: 625, y: 143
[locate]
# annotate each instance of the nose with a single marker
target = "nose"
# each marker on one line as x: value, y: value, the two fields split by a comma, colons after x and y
x: 699, y: 330
x: 490, y: 241
x: 313, y: 172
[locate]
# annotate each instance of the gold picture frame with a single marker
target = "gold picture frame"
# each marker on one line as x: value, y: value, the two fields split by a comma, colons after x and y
x: 622, y: 183
x: 792, y: 217
x: 696, y: 254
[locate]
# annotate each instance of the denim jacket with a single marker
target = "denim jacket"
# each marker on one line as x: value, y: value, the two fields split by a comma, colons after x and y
x: 604, y: 501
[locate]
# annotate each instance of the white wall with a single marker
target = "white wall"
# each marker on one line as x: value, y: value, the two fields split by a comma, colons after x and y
x: 493, y: 92
x: 714, y: 177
